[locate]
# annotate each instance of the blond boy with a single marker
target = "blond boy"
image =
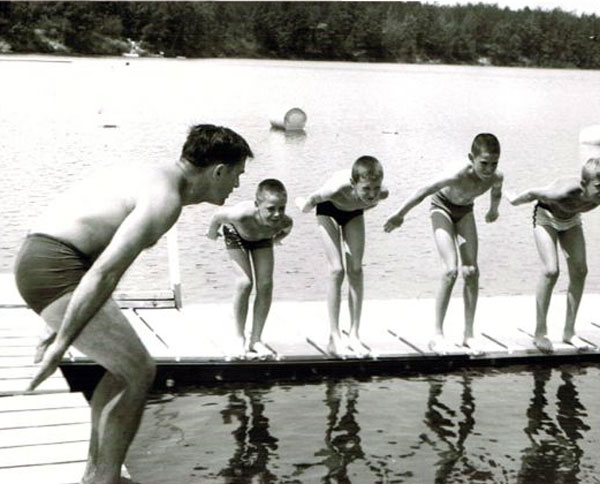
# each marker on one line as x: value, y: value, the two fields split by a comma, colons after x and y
x: 557, y: 220
x: 340, y: 204
x: 250, y: 229
x: 454, y: 230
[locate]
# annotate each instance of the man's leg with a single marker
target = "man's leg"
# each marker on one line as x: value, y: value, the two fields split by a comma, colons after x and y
x: 241, y: 297
x: 263, y: 262
x: 330, y: 237
x: 354, y: 236
x: 444, y: 237
x: 545, y: 241
x: 468, y: 247
x: 572, y: 243
x: 118, y: 400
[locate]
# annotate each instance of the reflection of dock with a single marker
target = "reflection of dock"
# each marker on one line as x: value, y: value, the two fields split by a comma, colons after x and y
x: 190, y: 345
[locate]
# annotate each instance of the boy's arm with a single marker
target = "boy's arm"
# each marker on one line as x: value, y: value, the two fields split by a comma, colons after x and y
x: 325, y: 193
x: 221, y: 216
x: 284, y: 232
x: 557, y: 190
x: 495, y: 198
x: 396, y: 220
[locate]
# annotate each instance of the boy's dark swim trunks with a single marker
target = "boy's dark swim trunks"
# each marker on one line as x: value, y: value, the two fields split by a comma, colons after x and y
x: 439, y: 201
x: 233, y: 240
x: 47, y: 268
x: 342, y: 217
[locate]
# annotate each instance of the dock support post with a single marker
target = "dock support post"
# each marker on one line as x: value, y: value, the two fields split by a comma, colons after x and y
x: 174, y: 273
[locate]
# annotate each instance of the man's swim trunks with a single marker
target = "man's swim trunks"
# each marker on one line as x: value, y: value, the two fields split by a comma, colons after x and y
x: 47, y: 268
x: 543, y: 216
x: 342, y: 217
x: 440, y: 202
x: 233, y: 240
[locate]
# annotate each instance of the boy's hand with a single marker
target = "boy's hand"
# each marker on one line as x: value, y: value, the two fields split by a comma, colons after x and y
x: 303, y: 204
x: 213, y: 234
x: 491, y: 216
x: 393, y: 222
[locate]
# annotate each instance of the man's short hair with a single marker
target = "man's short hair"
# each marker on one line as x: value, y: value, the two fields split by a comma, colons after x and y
x: 207, y: 144
x: 485, y: 142
x: 366, y: 167
x: 590, y: 169
x: 270, y: 185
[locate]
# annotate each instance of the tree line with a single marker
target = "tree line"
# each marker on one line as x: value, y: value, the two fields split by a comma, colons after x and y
x: 342, y: 31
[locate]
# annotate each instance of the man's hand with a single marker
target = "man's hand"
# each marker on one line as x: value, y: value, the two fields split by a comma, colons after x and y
x: 393, y: 222
x: 52, y: 357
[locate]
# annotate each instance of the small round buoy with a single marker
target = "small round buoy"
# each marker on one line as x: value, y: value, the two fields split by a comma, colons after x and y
x: 294, y: 119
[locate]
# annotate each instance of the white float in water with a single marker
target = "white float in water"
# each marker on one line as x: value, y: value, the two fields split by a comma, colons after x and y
x: 293, y: 120
x: 589, y: 142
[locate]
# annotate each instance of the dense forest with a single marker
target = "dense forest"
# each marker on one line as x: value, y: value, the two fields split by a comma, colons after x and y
x: 346, y: 31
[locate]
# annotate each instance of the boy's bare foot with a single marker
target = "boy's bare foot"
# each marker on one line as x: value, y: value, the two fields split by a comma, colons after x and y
x: 474, y: 347
x: 358, y: 347
x: 337, y: 348
x: 259, y: 351
x: 440, y: 345
x: 543, y: 344
x: 578, y: 343
x: 235, y: 350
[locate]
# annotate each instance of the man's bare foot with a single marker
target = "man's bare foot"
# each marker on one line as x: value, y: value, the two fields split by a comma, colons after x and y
x: 358, y: 347
x: 259, y: 351
x: 40, y: 349
x: 440, y: 345
x: 474, y: 346
x: 543, y: 344
x: 578, y: 343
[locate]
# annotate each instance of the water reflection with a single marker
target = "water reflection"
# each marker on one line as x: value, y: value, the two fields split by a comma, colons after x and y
x: 554, y: 454
x: 253, y: 444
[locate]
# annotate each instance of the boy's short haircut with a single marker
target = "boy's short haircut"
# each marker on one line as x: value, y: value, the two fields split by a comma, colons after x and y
x: 270, y: 185
x: 485, y: 142
x: 207, y: 144
x: 590, y: 169
x: 367, y: 167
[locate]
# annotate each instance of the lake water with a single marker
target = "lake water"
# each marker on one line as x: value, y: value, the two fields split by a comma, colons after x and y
x: 516, y: 425
x: 527, y: 426
x: 418, y: 120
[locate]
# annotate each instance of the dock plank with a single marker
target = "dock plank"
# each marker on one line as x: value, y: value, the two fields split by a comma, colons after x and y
x: 44, y: 418
x: 68, y: 473
x: 22, y: 437
x: 42, y: 402
x: 18, y: 385
x: 43, y: 454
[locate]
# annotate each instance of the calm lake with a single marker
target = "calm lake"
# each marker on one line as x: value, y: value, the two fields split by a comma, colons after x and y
x: 61, y: 118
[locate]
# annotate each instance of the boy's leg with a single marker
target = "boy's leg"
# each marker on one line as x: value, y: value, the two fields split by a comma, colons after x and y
x: 468, y: 245
x: 444, y: 237
x: 545, y: 241
x: 572, y: 243
x: 119, y: 398
x: 241, y: 297
x: 330, y: 236
x: 354, y: 236
x: 263, y: 262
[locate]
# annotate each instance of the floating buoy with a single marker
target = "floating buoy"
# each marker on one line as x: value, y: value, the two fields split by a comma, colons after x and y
x: 589, y: 142
x: 293, y: 120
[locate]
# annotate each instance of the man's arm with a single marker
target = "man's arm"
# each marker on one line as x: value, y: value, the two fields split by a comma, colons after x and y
x: 146, y: 223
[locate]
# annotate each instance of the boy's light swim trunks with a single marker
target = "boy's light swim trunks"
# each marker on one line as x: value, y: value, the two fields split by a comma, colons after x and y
x: 342, y: 217
x: 233, y: 240
x: 47, y: 268
x: 543, y: 216
x: 440, y: 202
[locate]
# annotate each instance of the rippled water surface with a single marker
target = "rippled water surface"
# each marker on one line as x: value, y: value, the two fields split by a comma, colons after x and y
x: 418, y: 120
x: 517, y: 425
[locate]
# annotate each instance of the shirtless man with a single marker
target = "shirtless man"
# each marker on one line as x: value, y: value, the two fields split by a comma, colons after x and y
x: 250, y: 230
x: 75, y: 255
x: 340, y: 204
x: 454, y: 228
x: 557, y: 220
